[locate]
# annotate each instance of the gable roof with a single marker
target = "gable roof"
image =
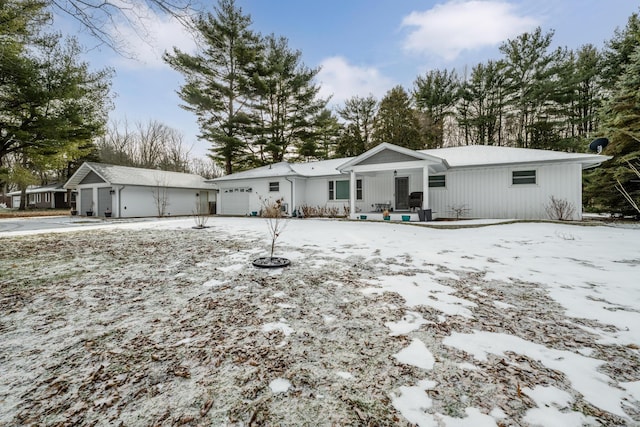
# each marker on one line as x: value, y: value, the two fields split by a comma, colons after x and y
x: 284, y: 169
x: 125, y: 175
x: 390, y: 153
x: 487, y: 155
x: 439, y: 158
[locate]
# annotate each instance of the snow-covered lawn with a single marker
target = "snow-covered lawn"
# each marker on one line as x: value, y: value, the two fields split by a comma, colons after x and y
x: 156, y: 323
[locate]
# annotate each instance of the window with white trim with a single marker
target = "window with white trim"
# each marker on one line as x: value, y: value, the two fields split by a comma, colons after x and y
x: 339, y: 189
x: 274, y: 186
x: 523, y: 177
x: 436, y: 181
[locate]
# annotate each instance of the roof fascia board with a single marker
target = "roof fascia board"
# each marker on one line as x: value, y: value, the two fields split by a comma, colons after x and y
x: 585, y: 162
x: 418, y: 164
x: 229, y: 178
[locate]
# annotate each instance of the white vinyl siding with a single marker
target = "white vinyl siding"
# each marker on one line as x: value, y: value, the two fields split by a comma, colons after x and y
x: 489, y: 192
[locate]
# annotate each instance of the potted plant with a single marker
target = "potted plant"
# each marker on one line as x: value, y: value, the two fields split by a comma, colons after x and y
x: 74, y: 212
x: 385, y: 215
x: 107, y: 213
x: 90, y: 210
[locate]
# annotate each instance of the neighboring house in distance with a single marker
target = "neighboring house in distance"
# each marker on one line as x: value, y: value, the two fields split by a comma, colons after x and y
x: 129, y: 192
x: 488, y: 181
x: 53, y: 196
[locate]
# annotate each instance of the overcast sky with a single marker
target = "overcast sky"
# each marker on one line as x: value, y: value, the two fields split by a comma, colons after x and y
x: 362, y: 46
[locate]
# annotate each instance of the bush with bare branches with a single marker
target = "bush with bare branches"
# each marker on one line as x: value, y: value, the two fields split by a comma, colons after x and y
x: 324, y: 211
x: 560, y: 209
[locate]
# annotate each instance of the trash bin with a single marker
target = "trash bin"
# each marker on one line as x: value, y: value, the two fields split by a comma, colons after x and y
x: 424, y: 215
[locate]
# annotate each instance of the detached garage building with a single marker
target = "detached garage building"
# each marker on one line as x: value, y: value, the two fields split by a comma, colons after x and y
x: 126, y: 192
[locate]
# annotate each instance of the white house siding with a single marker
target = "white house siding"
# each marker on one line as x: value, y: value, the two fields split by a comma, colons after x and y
x: 300, y: 190
x: 137, y: 201
x: 253, y: 190
x: 489, y: 192
x: 317, y: 190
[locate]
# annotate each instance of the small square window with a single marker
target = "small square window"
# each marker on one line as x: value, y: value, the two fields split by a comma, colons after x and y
x: 523, y: 177
x: 274, y: 186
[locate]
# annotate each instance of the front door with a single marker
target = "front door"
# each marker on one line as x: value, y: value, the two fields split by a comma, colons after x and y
x: 402, y: 193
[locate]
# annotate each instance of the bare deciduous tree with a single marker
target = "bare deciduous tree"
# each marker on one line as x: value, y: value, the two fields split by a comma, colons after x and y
x: 151, y: 145
x: 205, y: 167
x: 100, y: 18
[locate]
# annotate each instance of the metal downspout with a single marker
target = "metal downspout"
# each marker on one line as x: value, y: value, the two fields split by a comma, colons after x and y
x: 120, y: 188
x: 292, y: 192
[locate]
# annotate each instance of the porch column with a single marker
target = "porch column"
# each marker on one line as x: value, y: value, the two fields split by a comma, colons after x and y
x: 425, y: 187
x: 352, y: 195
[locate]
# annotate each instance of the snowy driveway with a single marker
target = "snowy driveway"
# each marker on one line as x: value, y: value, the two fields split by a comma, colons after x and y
x: 35, y: 225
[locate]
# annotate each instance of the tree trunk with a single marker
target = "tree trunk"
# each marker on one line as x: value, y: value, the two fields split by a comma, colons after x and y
x: 23, y: 199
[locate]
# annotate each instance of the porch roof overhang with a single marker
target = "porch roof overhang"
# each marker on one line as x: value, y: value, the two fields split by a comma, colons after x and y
x: 387, y: 156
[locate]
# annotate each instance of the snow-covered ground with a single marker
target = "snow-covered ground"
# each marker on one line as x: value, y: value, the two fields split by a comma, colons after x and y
x: 156, y: 323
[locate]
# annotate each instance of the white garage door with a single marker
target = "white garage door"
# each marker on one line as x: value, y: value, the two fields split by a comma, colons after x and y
x: 235, y: 201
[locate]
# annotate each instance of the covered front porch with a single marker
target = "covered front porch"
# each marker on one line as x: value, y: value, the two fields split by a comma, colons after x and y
x: 394, y: 179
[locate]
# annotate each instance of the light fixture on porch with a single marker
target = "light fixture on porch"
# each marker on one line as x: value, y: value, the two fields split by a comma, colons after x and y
x: 112, y: 191
x: 395, y: 173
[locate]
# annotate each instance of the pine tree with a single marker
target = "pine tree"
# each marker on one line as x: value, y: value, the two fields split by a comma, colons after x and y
x: 217, y: 78
x: 621, y: 125
x: 359, y: 114
x: 397, y: 122
x: 435, y: 94
x: 587, y: 88
x: 483, y: 95
x: 285, y: 102
x: 531, y: 83
x: 327, y: 131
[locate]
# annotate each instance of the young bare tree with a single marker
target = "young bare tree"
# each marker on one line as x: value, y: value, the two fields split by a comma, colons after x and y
x: 161, y: 195
x: 276, y: 222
